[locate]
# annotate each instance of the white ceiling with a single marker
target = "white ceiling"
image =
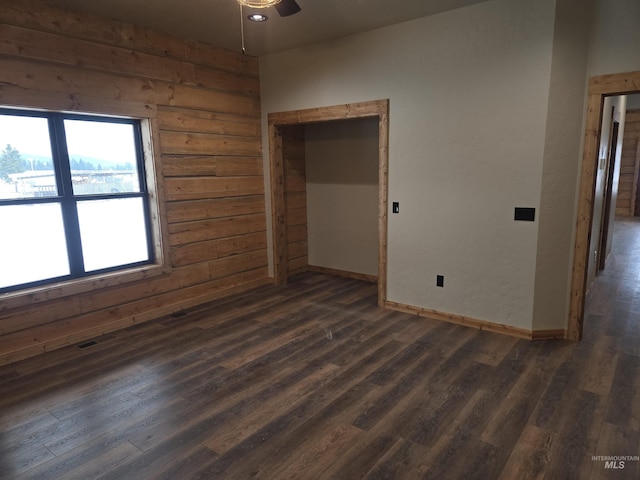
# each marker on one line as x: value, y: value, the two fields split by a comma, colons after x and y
x: 217, y: 22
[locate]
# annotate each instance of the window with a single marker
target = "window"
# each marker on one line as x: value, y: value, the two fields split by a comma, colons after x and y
x: 73, y: 197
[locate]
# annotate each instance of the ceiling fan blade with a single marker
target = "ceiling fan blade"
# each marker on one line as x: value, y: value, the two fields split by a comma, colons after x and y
x: 287, y: 7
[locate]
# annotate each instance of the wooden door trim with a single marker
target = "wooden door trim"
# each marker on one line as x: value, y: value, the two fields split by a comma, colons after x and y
x: 599, y: 88
x: 376, y: 108
x: 634, y: 188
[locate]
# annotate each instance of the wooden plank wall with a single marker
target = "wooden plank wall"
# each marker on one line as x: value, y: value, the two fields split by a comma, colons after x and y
x: 295, y: 178
x: 627, y: 187
x: 206, y: 125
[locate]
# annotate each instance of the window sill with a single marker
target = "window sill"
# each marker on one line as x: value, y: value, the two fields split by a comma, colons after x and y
x: 77, y: 286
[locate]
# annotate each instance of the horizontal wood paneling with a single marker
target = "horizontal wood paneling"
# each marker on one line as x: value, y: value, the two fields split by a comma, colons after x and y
x: 38, y: 16
x: 49, y: 47
x: 295, y: 197
x: 205, y: 106
x: 214, y: 208
x: 20, y: 345
x: 629, y: 166
x: 106, y: 302
x: 205, y: 143
x: 295, y: 183
x: 185, y: 120
x: 65, y: 79
x: 297, y: 249
x: 212, y: 249
x: 215, y: 165
x: 201, y: 230
x: 11, y: 95
x: 296, y: 200
x: 190, y: 188
x: 297, y: 216
x: 297, y: 233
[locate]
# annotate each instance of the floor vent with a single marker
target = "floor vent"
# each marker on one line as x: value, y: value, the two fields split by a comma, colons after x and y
x: 87, y: 344
x: 181, y: 313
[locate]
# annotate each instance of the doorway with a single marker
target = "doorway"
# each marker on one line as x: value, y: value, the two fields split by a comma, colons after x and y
x: 280, y: 129
x: 599, y: 88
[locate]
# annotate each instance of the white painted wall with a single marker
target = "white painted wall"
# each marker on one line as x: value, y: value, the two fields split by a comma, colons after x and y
x: 342, y: 195
x: 615, y: 37
x: 633, y: 102
x: 468, y: 94
x: 561, y: 165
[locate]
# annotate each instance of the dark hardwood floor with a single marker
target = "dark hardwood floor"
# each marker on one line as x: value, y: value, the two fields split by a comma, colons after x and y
x: 313, y: 381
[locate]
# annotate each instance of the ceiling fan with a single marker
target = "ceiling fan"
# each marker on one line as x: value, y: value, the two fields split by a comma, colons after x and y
x: 284, y: 8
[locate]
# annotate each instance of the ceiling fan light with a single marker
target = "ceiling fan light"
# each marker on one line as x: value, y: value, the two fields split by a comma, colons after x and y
x: 258, y: 17
x: 258, y: 3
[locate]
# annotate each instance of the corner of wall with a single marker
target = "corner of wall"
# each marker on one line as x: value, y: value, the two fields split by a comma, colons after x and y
x: 561, y: 162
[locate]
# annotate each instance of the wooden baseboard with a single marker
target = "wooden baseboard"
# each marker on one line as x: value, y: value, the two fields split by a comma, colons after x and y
x: 548, y: 334
x: 478, y: 324
x: 296, y: 271
x: 344, y: 273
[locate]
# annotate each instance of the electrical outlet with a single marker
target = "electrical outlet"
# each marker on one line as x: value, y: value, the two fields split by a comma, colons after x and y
x: 439, y: 280
x: 595, y: 255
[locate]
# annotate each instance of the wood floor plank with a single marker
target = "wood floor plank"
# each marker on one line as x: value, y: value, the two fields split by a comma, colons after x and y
x: 531, y: 455
x: 461, y: 436
x: 561, y: 386
x: 404, y: 459
x: 315, y: 459
x: 578, y: 433
x: 92, y: 443
x: 242, y: 424
x: 433, y: 422
x: 22, y: 432
x: 339, y: 397
x: 625, y: 389
x: 597, y: 372
x: 103, y: 463
x: 615, y: 441
x: 192, y: 465
x: 516, y: 408
x: 67, y: 432
x: 25, y: 459
x: 493, y: 349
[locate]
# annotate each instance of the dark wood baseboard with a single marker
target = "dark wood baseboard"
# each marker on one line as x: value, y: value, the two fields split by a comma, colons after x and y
x: 344, y: 273
x: 548, y: 334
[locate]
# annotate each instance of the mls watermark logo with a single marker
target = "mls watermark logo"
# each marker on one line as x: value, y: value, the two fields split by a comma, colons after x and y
x: 615, y: 462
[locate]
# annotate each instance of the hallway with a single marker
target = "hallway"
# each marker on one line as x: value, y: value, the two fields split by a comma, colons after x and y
x: 613, y: 303
x: 612, y: 334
